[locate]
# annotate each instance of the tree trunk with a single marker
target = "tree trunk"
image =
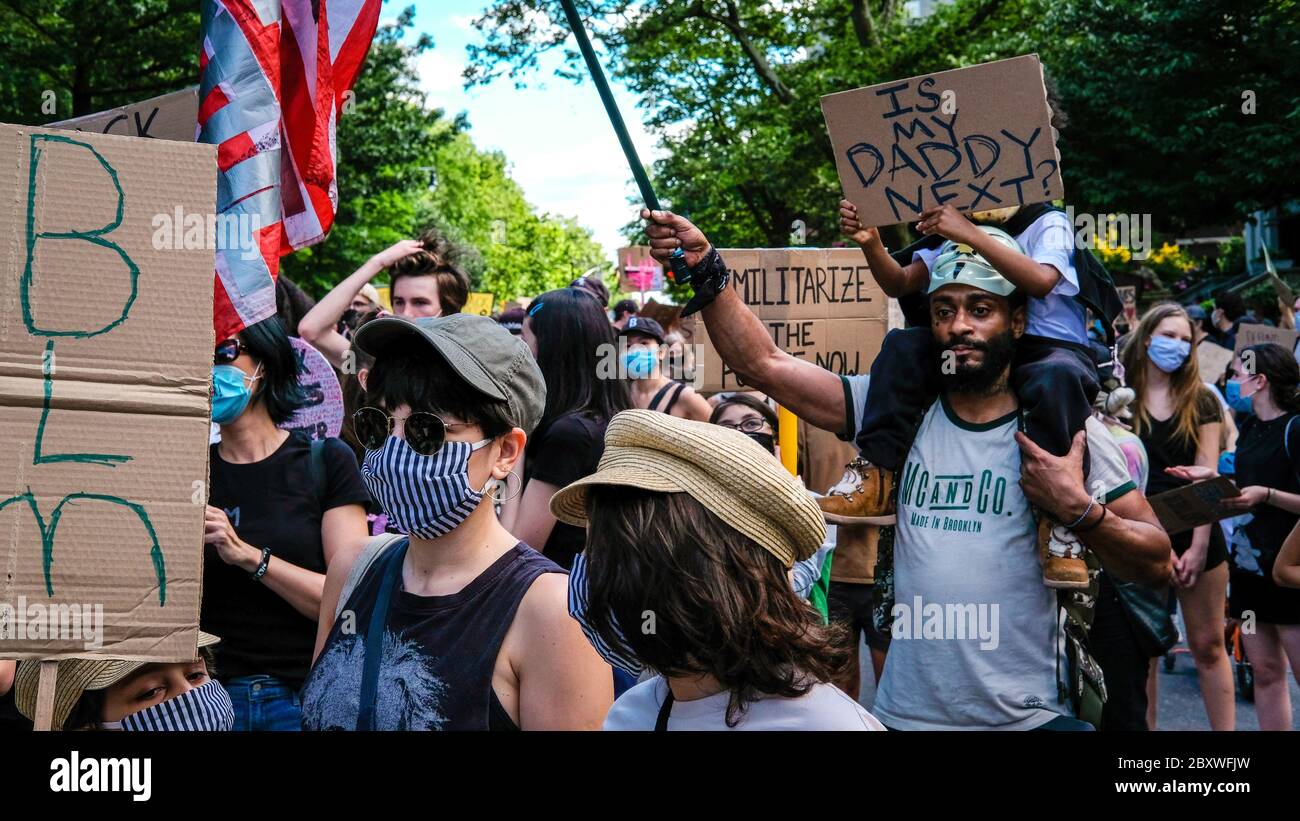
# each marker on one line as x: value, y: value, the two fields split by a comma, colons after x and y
x: 863, y: 25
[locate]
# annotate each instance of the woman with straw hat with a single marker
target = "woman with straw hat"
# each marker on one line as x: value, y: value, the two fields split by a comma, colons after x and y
x: 111, y: 694
x: 691, y: 532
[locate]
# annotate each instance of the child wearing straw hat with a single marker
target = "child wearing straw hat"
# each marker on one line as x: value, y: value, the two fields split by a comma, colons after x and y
x: 691, y: 532
x: 112, y: 694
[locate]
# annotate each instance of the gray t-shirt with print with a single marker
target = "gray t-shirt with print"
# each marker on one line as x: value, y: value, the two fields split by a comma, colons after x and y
x: 975, y: 630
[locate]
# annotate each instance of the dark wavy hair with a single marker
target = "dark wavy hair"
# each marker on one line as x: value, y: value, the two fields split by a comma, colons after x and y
x: 722, y: 605
x: 1279, y: 365
x: 437, y: 258
x: 571, y: 330
x: 423, y: 381
x: 267, y: 343
x: 354, y: 395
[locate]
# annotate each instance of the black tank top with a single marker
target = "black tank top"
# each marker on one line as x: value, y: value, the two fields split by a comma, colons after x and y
x: 439, y: 653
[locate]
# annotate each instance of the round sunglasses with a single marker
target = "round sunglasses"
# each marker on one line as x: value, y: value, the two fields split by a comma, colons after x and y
x: 228, y: 351
x: 425, y: 432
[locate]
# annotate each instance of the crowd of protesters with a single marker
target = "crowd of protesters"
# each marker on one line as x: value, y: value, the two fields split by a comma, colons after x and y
x: 538, y: 522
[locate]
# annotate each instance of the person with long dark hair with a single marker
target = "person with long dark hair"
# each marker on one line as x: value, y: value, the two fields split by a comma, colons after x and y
x: 1267, y: 470
x: 692, y: 530
x: 281, y: 509
x: 568, y: 333
x: 1179, y: 422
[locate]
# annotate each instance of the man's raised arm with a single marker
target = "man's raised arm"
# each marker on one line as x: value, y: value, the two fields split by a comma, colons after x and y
x: 813, y: 394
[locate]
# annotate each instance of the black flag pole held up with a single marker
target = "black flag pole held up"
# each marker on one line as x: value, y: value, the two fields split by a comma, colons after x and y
x: 681, y: 273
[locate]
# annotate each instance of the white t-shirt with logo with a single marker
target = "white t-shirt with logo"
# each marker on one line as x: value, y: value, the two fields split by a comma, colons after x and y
x: 824, y: 707
x: 1049, y: 240
x: 975, y: 630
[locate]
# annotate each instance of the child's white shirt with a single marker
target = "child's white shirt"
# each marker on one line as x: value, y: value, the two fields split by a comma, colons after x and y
x: 1048, y: 240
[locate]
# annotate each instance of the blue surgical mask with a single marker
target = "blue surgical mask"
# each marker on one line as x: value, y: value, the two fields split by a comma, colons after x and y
x: 1228, y: 463
x: 1239, y: 403
x: 231, y: 390
x: 424, y: 496
x: 640, y: 362
x: 1168, y: 353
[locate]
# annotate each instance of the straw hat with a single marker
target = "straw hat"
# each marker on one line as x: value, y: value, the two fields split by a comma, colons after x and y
x: 75, y: 677
x: 722, y: 469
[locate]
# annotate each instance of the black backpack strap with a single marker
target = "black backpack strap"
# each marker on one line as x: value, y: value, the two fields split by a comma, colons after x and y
x: 677, y: 394
x: 659, y: 394
x: 316, y: 466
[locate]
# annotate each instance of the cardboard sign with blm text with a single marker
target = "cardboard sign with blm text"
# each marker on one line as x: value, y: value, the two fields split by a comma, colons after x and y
x: 105, y: 373
x: 979, y: 138
x: 819, y: 304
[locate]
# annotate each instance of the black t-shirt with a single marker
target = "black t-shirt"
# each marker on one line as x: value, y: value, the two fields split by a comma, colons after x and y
x: 438, y: 652
x: 1262, y: 460
x: 1166, y: 449
x: 272, y: 504
x: 567, y: 450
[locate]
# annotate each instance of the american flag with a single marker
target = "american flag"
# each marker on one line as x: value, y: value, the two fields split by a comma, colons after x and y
x: 274, y: 76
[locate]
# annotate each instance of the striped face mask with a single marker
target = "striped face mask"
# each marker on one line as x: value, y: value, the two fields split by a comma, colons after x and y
x: 619, y: 655
x: 206, y: 708
x: 424, y: 496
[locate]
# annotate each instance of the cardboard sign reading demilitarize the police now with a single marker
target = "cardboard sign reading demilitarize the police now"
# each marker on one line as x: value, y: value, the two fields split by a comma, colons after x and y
x: 977, y: 138
x: 105, y: 369
x: 819, y: 304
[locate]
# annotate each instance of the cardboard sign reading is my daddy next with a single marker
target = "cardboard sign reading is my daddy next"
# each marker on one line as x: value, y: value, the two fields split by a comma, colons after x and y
x: 105, y: 372
x: 172, y: 116
x: 979, y: 138
x: 818, y: 304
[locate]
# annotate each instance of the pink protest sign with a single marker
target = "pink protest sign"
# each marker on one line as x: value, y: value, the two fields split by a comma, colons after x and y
x: 321, y: 415
x: 639, y: 270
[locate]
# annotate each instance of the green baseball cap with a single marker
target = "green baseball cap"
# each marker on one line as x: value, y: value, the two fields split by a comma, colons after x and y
x: 490, y: 359
x: 959, y: 264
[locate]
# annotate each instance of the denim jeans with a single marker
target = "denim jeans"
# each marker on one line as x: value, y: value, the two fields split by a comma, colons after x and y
x: 264, y: 703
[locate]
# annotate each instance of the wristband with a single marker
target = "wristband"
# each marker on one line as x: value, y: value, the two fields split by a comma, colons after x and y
x: 1096, y: 524
x: 1091, y: 503
x: 709, y: 278
x: 262, y: 565
x: 1269, y: 500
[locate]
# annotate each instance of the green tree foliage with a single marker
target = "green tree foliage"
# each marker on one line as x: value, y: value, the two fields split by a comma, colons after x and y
x: 405, y: 167
x: 94, y: 55
x: 402, y: 166
x: 731, y: 87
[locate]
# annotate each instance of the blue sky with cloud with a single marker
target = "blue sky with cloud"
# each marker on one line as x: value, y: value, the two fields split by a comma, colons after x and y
x: 560, y: 145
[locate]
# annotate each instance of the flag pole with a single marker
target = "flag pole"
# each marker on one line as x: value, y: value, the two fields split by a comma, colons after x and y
x: 681, y: 274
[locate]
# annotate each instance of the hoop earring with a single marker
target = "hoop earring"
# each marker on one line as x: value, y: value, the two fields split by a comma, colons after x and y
x: 498, y: 499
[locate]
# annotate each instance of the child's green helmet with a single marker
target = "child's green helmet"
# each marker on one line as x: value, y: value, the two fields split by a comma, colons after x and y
x: 958, y: 264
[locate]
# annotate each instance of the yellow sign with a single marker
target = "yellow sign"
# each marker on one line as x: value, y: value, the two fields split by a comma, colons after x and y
x: 385, y: 297
x: 480, y: 304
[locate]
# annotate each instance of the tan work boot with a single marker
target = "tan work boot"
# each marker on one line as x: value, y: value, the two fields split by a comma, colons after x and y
x: 1061, y: 553
x: 864, y: 493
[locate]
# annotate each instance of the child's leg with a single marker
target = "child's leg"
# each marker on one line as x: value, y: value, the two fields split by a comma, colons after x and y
x: 903, y: 385
x: 1056, y: 384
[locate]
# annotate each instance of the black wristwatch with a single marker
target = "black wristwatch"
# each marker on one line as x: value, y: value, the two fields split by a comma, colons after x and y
x: 262, y: 565
x: 709, y: 278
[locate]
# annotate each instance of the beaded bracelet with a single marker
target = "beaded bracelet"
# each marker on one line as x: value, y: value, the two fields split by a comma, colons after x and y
x: 1091, y: 503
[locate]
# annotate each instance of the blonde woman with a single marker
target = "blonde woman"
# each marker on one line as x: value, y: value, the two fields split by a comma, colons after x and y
x: 1180, y: 421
